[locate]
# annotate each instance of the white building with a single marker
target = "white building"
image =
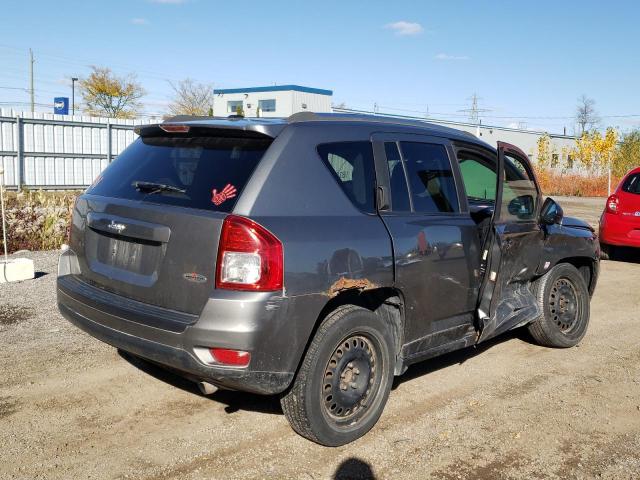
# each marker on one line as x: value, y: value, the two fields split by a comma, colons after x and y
x: 275, y: 101
x: 560, y: 146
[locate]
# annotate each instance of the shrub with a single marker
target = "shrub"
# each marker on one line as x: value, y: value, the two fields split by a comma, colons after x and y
x: 572, y: 185
x: 37, y: 220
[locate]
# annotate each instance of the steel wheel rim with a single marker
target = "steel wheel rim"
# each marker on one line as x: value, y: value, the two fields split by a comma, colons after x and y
x: 352, y: 377
x: 563, y: 305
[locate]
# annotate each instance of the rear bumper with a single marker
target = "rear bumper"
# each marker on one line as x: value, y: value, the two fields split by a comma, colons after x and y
x: 224, y: 323
x: 619, y: 231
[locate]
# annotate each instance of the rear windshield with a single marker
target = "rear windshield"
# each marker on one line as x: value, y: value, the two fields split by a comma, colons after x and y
x: 632, y: 184
x: 197, y: 172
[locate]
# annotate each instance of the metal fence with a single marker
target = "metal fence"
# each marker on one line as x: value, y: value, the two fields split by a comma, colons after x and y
x: 59, y: 152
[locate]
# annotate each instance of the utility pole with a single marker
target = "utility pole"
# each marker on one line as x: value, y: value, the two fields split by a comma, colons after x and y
x: 31, y: 62
x: 73, y: 95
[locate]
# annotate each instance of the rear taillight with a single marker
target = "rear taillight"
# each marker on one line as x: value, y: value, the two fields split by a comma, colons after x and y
x: 249, y: 257
x: 612, y: 204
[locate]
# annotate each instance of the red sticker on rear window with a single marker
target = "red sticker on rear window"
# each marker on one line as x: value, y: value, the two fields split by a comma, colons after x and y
x: 225, y: 194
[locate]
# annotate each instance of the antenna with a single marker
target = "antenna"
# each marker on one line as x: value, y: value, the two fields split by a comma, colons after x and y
x: 474, y: 111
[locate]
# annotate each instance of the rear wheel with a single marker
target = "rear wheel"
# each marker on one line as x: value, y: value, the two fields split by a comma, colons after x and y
x: 563, y: 298
x: 345, y: 378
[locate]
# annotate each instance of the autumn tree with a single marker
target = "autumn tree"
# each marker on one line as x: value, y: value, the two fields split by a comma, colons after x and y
x: 107, y: 95
x: 628, y: 153
x: 586, y: 115
x: 544, y: 151
x: 596, y: 151
x: 192, y: 98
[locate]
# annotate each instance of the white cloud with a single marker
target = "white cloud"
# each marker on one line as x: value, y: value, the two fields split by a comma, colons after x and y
x: 140, y: 21
x: 444, y: 56
x: 405, y: 28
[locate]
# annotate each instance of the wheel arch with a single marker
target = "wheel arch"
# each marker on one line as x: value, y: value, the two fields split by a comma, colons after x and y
x: 588, y: 268
x: 386, y: 302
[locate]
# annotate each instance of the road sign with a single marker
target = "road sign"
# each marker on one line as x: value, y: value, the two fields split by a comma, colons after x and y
x: 61, y: 105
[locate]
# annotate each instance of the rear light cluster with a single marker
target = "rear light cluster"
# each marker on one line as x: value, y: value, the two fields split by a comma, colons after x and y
x: 249, y: 257
x: 612, y: 204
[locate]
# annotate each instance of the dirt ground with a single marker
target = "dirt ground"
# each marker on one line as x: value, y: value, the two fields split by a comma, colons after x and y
x: 72, y: 407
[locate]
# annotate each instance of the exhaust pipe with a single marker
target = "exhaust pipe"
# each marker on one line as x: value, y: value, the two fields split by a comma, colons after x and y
x: 206, y: 388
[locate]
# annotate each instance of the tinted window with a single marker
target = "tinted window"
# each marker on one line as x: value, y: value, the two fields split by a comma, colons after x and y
x: 198, y: 165
x: 352, y: 165
x: 632, y: 184
x: 479, y: 176
x: 398, y: 181
x: 519, y: 192
x: 430, y: 177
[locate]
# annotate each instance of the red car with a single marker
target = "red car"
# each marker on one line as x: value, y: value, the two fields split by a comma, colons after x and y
x: 620, y: 221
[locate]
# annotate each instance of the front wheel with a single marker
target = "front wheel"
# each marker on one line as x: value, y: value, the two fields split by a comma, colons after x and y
x: 345, y: 378
x: 563, y: 298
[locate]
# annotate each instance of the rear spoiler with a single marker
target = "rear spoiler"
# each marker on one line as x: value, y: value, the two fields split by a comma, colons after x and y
x: 212, y: 126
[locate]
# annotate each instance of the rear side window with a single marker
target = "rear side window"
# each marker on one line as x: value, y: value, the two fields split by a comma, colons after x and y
x: 433, y: 188
x: 210, y: 171
x: 632, y: 184
x: 351, y: 164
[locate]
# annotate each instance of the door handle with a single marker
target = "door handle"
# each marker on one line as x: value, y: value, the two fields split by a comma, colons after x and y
x: 383, y: 203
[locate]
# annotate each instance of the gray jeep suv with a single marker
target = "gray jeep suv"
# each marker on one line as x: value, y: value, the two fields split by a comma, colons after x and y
x: 316, y: 257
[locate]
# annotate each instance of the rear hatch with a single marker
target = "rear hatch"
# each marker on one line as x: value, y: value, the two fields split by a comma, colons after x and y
x: 148, y: 228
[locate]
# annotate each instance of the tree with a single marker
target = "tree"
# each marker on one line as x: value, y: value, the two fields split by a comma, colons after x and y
x: 192, y: 98
x: 544, y: 151
x: 108, y: 95
x: 596, y: 151
x: 586, y: 115
x: 628, y: 153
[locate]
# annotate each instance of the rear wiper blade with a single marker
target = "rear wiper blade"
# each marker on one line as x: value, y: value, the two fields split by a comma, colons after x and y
x: 152, y: 187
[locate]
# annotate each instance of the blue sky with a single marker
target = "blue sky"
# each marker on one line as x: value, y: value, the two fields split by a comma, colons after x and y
x: 526, y: 60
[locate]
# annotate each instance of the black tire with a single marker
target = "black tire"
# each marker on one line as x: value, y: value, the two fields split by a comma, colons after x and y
x: 563, y: 297
x: 344, y: 381
x: 607, y: 252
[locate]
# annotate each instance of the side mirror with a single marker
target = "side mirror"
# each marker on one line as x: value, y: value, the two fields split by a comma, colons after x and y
x: 522, y: 207
x: 551, y: 212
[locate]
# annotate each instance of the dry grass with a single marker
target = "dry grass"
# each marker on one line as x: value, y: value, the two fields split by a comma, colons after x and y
x: 572, y: 185
x: 38, y: 220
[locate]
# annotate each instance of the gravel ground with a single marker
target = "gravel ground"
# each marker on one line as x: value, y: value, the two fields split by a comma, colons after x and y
x: 72, y: 407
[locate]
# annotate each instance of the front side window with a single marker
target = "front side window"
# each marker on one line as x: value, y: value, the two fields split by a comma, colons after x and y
x: 233, y: 106
x: 479, y: 176
x: 267, y: 105
x: 520, y: 196
x: 632, y: 184
x: 431, y: 181
x: 351, y: 164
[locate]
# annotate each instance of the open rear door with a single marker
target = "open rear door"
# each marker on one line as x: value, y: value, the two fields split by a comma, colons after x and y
x: 513, y: 247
